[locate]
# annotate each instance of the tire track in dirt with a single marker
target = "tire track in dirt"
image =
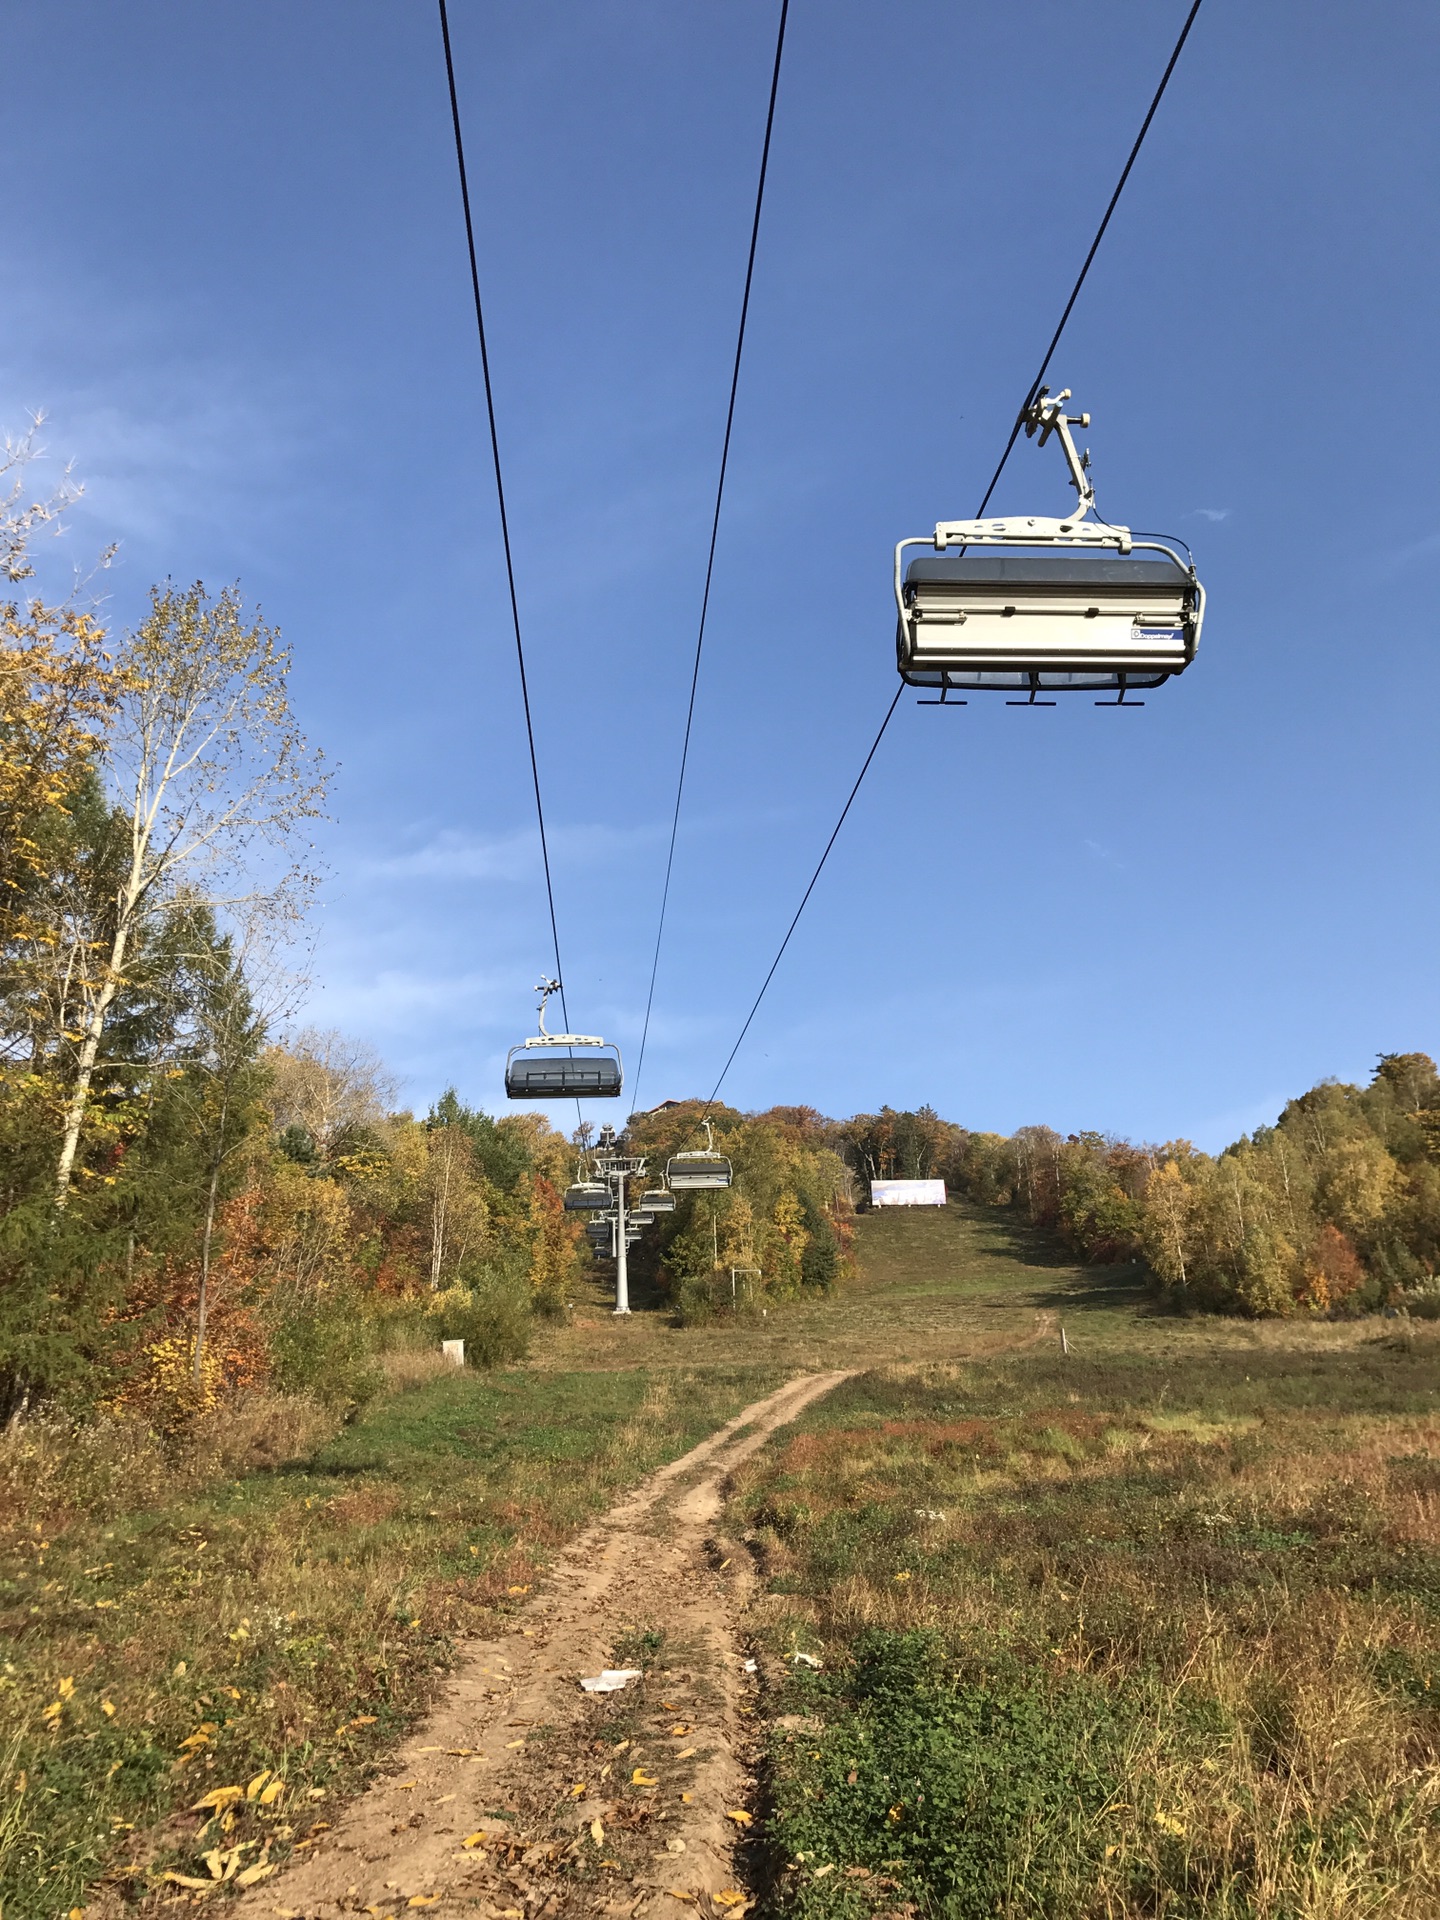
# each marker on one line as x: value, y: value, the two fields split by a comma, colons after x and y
x: 648, y: 1560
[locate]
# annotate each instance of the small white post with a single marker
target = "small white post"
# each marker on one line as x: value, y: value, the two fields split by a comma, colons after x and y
x: 1064, y: 1343
x: 454, y: 1352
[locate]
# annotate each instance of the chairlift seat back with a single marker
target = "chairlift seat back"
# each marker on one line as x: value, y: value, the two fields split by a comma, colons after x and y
x: 562, y: 1073
x: 658, y: 1201
x: 586, y: 1196
x: 697, y: 1172
x: 1079, y: 621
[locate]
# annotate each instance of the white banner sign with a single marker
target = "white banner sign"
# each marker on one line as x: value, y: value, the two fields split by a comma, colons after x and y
x: 907, y: 1193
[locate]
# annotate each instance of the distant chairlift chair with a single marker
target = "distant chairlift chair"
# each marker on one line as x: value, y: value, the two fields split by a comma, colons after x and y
x: 587, y: 1196
x: 698, y: 1171
x: 1061, y: 620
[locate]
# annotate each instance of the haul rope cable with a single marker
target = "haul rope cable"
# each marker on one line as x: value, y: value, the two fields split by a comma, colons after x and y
x: 500, y: 496
x: 1009, y: 447
x: 714, y: 535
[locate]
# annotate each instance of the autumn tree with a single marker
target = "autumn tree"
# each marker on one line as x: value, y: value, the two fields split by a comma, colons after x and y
x: 216, y: 784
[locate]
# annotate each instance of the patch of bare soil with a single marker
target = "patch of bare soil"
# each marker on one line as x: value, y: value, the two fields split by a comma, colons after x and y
x: 524, y: 1797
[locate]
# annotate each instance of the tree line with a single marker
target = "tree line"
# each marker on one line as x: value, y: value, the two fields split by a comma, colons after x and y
x: 1333, y: 1209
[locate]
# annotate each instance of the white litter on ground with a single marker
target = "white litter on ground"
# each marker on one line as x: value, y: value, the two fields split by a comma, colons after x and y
x: 611, y: 1680
x: 807, y: 1659
x: 750, y: 1667
x: 928, y: 1513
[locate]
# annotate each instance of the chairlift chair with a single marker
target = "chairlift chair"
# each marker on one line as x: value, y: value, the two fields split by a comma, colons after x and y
x: 700, y: 1169
x: 586, y: 1196
x: 1079, y: 614
x: 657, y: 1200
x: 562, y: 1066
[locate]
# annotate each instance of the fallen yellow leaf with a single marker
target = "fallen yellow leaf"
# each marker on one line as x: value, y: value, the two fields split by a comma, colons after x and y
x: 188, y: 1880
x: 597, y: 1833
x: 577, y: 1789
x: 406, y: 1785
x: 739, y: 1816
x: 252, y: 1876
x: 639, y: 1778
x: 218, y: 1799
x: 517, y: 1589
x: 66, y: 1687
x: 256, y: 1784
x: 687, y: 1798
x: 731, y: 1897
x: 269, y: 1795
x: 475, y: 1839
x: 902, y: 1576
x: 423, y: 1900
x: 679, y: 1728
x: 676, y: 1894
x: 107, y: 1707
x: 511, y: 1744
x: 687, y: 1753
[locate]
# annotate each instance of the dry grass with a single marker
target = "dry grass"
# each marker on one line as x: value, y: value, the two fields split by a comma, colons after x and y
x: 1234, y: 1569
x: 53, y: 1469
x: 410, y: 1367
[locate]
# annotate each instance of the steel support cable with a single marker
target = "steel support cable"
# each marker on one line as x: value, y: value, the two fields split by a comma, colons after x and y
x: 714, y: 529
x: 1038, y: 381
x: 994, y: 479
x: 500, y: 497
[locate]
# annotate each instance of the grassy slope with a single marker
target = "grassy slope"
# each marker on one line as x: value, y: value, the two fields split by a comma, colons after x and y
x: 295, y: 1620
x: 1148, y: 1629
x: 276, y: 1615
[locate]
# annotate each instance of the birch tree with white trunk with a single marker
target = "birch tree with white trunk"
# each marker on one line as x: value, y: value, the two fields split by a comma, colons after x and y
x: 217, y: 785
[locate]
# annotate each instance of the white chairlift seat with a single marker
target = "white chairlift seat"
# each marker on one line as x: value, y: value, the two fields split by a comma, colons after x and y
x: 1078, y: 620
x: 1078, y: 613
x: 657, y: 1200
x: 586, y: 1196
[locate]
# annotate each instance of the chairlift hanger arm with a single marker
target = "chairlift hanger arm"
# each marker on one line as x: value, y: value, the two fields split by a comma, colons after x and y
x: 1046, y: 416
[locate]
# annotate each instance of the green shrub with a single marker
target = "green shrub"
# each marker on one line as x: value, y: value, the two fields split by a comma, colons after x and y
x: 327, y: 1352
x: 492, y: 1317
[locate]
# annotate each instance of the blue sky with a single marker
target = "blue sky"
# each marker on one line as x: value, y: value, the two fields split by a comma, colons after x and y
x: 235, y: 278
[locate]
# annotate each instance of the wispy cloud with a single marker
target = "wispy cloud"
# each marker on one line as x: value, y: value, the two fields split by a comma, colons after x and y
x: 1106, y: 855
x: 455, y: 855
x: 1211, y: 513
x: 1402, y: 557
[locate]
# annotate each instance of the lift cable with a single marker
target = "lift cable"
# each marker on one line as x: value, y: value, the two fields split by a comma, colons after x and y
x: 714, y: 530
x: 1037, y: 382
x: 500, y: 496
x: 1014, y: 435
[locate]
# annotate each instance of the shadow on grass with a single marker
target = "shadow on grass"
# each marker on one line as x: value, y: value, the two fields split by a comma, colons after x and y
x: 1122, y: 1288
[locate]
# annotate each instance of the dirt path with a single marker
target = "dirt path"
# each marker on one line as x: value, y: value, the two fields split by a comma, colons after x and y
x: 523, y: 1796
